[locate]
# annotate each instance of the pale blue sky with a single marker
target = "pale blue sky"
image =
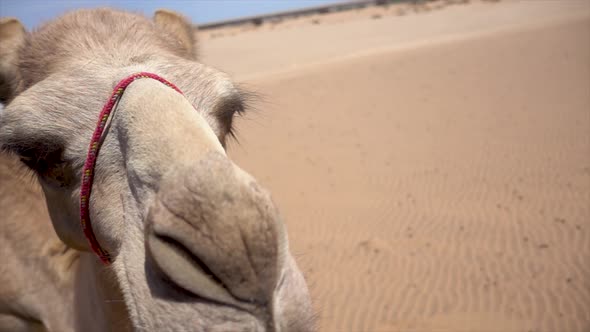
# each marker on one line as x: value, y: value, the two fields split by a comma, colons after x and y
x: 33, y: 12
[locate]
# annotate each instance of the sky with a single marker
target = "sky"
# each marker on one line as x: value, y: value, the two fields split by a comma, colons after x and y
x: 33, y: 12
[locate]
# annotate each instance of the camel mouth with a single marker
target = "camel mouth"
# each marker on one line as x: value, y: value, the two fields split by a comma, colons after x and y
x: 179, y: 267
x: 195, y: 261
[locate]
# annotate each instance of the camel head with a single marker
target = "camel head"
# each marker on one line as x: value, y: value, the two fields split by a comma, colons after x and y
x: 196, y: 243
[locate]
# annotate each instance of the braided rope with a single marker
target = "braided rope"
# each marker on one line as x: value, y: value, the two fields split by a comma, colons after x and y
x: 95, y: 144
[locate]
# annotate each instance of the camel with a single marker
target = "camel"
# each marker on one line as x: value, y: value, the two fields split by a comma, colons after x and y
x: 194, y: 242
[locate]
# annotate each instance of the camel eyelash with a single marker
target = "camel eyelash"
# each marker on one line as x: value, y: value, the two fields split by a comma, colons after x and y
x: 237, y: 104
x: 36, y: 155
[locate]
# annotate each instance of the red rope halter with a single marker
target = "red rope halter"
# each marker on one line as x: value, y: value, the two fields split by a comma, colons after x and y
x: 95, y: 143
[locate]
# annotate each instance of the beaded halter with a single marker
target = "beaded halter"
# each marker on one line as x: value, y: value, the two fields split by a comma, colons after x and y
x: 93, y: 149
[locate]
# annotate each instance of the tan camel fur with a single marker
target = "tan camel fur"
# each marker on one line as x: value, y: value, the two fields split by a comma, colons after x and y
x: 197, y: 244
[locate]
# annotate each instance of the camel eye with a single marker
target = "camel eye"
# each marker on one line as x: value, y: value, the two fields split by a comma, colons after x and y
x: 39, y: 156
x: 42, y: 151
x: 225, y: 111
x: 229, y: 106
x: 50, y: 166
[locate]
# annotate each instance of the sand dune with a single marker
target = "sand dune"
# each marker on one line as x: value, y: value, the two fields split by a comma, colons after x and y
x: 439, y: 187
x: 261, y: 52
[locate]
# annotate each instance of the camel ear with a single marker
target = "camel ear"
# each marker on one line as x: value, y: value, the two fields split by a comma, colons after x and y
x: 12, y: 36
x: 178, y: 27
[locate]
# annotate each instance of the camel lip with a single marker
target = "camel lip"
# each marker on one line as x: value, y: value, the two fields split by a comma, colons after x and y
x: 172, y: 246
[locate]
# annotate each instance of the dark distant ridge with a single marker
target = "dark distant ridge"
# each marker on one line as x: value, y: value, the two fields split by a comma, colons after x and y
x: 323, y: 9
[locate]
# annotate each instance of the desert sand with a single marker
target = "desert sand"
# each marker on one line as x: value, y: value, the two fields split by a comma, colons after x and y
x: 432, y: 165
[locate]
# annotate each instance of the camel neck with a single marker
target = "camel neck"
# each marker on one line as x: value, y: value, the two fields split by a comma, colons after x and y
x: 98, y: 300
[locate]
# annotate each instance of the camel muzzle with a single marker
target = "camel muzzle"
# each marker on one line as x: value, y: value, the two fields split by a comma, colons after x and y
x: 213, y: 231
